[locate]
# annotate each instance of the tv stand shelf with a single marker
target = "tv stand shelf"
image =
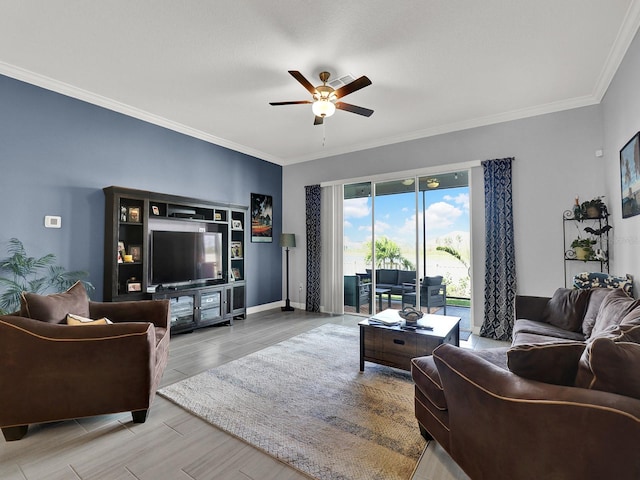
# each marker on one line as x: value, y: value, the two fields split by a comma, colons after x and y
x: 132, y: 217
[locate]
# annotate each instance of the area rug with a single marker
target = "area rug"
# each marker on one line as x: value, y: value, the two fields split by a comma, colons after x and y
x: 305, y: 402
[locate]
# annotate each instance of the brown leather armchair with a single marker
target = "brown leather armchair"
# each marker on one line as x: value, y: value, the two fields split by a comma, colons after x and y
x: 500, y: 426
x: 51, y: 371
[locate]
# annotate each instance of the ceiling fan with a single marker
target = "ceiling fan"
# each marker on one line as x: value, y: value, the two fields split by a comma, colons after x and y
x: 325, y: 97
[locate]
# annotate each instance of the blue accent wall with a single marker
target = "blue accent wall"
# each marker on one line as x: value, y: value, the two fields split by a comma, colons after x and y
x: 57, y: 154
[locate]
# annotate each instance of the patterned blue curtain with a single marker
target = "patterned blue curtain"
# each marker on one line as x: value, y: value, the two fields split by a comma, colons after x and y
x: 500, y: 273
x: 313, y: 196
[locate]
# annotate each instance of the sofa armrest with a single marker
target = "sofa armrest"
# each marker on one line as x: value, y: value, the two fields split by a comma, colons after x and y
x: 153, y: 311
x: 408, y: 287
x: 503, y: 426
x: 530, y: 307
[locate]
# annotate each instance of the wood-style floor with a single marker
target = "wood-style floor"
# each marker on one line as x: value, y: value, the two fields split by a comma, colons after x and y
x: 174, y: 444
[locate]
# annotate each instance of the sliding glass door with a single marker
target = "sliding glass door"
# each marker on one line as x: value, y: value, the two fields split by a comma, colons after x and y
x: 398, y: 232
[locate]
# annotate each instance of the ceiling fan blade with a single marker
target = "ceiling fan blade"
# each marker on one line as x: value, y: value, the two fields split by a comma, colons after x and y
x: 318, y: 120
x: 352, y: 87
x: 354, y: 109
x: 299, y: 102
x: 303, y: 81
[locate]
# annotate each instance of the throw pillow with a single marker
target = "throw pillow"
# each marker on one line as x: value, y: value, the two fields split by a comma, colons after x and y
x: 607, y: 362
x: 566, y: 309
x: 593, y: 307
x: 54, y: 308
x: 552, y: 362
x: 78, y: 320
x: 613, y: 309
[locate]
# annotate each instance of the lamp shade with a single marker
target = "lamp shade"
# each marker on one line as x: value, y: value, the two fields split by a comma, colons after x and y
x: 287, y: 239
x: 323, y: 108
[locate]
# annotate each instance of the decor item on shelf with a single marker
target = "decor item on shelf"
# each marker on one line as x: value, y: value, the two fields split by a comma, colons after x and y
x: 24, y: 274
x: 630, y: 177
x: 236, y: 249
x: 236, y: 225
x: 287, y: 240
x: 583, y: 248
x: 134, y: 215
x: 261, y: 218
x: 236, y: 274
x: 594, y: 208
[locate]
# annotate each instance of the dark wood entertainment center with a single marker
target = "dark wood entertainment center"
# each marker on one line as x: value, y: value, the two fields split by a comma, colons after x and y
x: 131, y: 217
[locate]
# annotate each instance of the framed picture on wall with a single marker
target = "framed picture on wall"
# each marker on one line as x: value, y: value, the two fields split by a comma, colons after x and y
x: 630, y: 177
x: 261, y: 218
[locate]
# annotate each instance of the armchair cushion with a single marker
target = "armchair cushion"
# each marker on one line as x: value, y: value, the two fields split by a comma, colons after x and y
x: 78, y: 320
x: 608, y: 361
x: 55, y: 307
x: 566, y: 309
x: 432, y: 281
x: 552, y: 362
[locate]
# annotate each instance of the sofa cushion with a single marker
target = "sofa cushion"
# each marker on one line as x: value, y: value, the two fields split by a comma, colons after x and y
x: 546, y: 329
x: 613, y: 309
x: 609, y: 359
x: 603, y: 280
x: 55, y: 307
x: 406, y: 276
x: 566, y: 309
x: 552, y: 362
x: 632, y: 318
x: 425, y: 375
x: 593, y: 307
x: 387, y: 276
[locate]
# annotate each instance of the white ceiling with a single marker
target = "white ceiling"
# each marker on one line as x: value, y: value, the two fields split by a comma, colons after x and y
x: 210, y: 68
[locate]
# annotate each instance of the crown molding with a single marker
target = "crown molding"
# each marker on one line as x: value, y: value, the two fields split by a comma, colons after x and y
x: 621, y: 44
x: 456, y: 127
x: 110, y: 104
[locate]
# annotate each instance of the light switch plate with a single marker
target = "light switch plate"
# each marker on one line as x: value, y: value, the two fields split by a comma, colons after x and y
x: 52, y: 221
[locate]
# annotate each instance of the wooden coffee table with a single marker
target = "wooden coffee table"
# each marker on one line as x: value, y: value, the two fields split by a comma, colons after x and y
x: 395, y: 346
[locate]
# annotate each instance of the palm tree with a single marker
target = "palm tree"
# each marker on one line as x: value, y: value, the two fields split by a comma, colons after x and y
x: 388, y: 255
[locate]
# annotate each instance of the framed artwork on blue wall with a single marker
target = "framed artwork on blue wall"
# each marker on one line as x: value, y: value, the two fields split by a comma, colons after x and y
x: 261, y: 218
x: 630, y: 177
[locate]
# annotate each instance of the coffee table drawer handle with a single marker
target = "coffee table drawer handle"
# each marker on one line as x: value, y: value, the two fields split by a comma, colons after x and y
x: 398, y: 341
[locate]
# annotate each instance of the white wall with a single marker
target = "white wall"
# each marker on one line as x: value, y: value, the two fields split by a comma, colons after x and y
x: 555, y: 160
x: 621, y: 114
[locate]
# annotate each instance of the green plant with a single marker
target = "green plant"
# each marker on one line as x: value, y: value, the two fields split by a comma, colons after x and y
x: 591, y: 209
x: 586, y: 244
x: 388, y: 255
x: 31, y: 274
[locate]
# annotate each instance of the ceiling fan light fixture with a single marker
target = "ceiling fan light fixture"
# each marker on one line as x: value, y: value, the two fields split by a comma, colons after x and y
x: 432, y: 182
x: 323, y: 108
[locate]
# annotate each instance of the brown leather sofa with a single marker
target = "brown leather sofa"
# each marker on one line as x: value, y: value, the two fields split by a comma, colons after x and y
x: 563, y: 402
x: 51, y: 371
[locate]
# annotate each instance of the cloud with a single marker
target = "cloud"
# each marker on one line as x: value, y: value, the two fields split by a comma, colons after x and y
x: 356, y: 208
x: 347, y: 224
x: 442, y: 215
x: 461, y: 199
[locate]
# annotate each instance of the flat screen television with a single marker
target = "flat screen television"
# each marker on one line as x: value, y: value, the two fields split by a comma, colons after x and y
x: 179, y: 258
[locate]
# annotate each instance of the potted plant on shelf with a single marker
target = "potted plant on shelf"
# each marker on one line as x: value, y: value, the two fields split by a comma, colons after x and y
x: 583, y: 248
x: 594, y: 208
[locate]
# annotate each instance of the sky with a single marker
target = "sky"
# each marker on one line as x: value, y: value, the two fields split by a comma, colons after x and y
x: 447, y: 211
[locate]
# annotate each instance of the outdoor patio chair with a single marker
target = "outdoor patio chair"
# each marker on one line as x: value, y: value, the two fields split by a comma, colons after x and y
x: 433, y: 293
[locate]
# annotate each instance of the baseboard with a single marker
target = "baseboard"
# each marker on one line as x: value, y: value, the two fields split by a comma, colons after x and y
x: 273, y: 305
